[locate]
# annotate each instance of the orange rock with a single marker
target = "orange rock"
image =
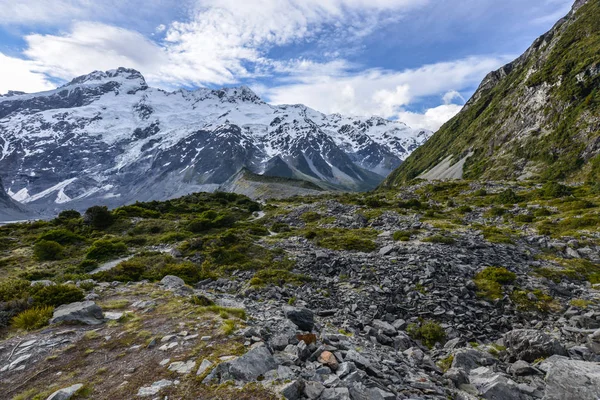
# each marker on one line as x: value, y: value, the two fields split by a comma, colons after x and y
x: 327, y: 358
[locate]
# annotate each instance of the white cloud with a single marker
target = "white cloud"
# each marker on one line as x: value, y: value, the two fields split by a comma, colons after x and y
x: 431, y: 119
x: 450, y: 96
x: 382, y: 92
x: 21, y: 75
x: 94, y: 46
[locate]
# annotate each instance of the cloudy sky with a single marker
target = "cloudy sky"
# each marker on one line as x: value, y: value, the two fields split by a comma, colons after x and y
x: 413, y: 60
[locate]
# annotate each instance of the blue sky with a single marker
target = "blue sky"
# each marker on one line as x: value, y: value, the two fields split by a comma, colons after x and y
x: 413, y: 60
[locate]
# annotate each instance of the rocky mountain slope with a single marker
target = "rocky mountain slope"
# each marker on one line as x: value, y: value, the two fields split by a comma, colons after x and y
x: 10, y: 209
x: 435, y: 291
x: 537, y: 117
x: 108, y: 138
x: 268, y: 187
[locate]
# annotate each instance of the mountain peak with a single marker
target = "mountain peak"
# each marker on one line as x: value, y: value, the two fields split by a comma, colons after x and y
x: 120, y: 74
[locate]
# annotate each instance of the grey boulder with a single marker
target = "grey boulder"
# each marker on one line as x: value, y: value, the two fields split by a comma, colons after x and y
x: 172, y: 282
x: 85, y: 312
x: 572, y: 379
x: 494, y: 386
x: 530, y: 345
x: 253, y: 364
x: 303, y: 318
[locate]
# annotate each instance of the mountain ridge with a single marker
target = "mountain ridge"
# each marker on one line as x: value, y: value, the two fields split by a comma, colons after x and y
x: 108, y: 137
x: 535, y: 118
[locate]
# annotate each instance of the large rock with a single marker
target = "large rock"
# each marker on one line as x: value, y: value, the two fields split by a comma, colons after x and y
x: 530, y: 345
x: 303, y: 318
x: 85, y: 312
x: 571, y: 379
x: 494, y: 386
x: 253, y: 364
x: 172, y: 282
x: 66, y: 393
x: 469, y: 359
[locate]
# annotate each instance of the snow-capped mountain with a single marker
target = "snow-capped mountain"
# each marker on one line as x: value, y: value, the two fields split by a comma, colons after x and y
x: 109, y: 138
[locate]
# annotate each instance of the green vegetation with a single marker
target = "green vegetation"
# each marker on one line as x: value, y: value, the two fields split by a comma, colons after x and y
x: 446, y: 363
x: 428, y: 332
x: 106, y: 249
x: 441, y: 239
x: 490, y: 126
x: 33, y: 318
x: 490, y: 281
x: 56, y: 295
x: 98, y: 217
x: 47, y: 250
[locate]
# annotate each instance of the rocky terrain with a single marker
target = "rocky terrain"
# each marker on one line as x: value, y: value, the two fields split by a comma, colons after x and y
x: 450, y: 290
x: 108, y: 138
x: 535, y: 118
x: 10, y: 210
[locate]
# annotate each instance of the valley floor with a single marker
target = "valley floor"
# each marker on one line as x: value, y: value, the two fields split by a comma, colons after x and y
x: 451, y: 290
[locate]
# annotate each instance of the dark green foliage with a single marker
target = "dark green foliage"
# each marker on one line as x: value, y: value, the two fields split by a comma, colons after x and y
x: 441, y: 239
x: 106, y: 249
x: 13, y: 289
x: 496, y: 212
x: 62, y: 236
x: 508, y: 197
x: 413, y: 204
x: 464, y: 209
x: 135, y: 211
x: 98, y: 217
x: 524, y: 218
x: 428, y: 332
x: 554, y: 190
x: 34, y: 318
x: 402, y: 236
x: 210, y: 220
x: 68, y: 215
x: 310, y: 216
x: 47, y: 250
x: 153, y: 267
x: 490, y: 281
x: 56, y: 295
x: 87, y: 266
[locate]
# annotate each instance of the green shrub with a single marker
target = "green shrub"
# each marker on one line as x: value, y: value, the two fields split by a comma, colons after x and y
x: 57, y: 295
x: 496, y: 212
x: 61, y: 236
x: 67, y: 216
x: 441, y: 239
x: 279, y: 227
x: 428, y: 332
x: 310, y: 235
x: 508, y: 197
x: 480, y: 193
x: 106, y: 249
x: 13, y: 289
x: 464, y: 209
x: 310, y: 216
x: 347, y: 242
x: 489, y: 282
x: 173, y: 237
x: 413, y: 204
x: 402, y: 236
x: 524, y: 218
x: 555, y: 190
x: 542, y: 212
x: 277, y: 277
x: 47, y: 250
x: 98, y: 217
x: 33, y: 318
x: 87, y: 266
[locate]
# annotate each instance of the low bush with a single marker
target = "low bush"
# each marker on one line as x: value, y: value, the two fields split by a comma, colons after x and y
x: 33, y: 318
x: 310, y: 216
x: 98, y: 217
x: 441, y: 239
x: 555, y: 190
x: 428, y: 332
x: 508, y: 197
x: 524, y: 218
x: 413, y: 204
x: 47, y: 250
x: 106, y: 249
x: 13, y: 289
x: 56, y: 295
x: 347, y: 242
x: 490, y: 281
x: 61, y: 236
x: 402, y: 236
x: 280, y: 227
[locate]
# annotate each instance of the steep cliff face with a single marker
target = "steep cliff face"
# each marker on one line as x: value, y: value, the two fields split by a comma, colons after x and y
x: 535, y: 118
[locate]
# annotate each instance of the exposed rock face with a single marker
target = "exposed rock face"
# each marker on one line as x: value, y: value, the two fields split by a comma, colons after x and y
x: 108, y: 138
x: 537, y: 117
x: 66, y: 393
x: 10, y: 209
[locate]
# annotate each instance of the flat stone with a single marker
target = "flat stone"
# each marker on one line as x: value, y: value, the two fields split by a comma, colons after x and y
x: 571, y: 379
x: 204, y: 366
x: 182, y: 367
x: 155, y: 387
x: 253, y: 364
